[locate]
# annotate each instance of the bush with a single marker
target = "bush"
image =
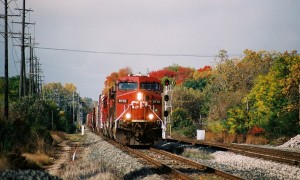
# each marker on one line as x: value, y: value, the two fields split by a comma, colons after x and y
x: 216, y: 126
x: 29, y: 124
x: 182, y: 123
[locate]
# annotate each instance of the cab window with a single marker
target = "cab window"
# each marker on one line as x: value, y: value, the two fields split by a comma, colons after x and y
x: 150, y: 86
x: 127, y: 86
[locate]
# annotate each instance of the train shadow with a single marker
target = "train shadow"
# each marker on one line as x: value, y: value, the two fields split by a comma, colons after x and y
x: 139, y: 146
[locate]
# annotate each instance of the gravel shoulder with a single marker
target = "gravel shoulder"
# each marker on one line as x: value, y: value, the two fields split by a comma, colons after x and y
x: 97, y: 159
x: 243, y: 166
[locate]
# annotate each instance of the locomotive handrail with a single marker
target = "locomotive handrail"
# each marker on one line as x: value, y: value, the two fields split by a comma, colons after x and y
x: 162, y: 122
x: 154, y: 113
x: 122, y: 114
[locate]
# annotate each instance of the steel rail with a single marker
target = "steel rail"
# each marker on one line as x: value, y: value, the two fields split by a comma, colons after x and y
x: 282, y: 156
x: 167, y: 168
x: 197, y: 165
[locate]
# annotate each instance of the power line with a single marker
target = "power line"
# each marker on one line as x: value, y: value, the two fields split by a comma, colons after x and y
x: 130, y: 54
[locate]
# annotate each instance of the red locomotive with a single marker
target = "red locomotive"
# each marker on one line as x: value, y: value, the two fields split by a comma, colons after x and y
x: 131, y: 113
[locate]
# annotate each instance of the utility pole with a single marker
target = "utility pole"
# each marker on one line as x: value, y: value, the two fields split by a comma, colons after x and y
x: 6, y: 83
x: 31, y: 68
x: 6, y: 62
x: 36, y: 74
x: 22, y: 90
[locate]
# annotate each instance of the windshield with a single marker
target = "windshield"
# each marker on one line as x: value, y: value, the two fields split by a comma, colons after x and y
x: 150, y: 86
x: 127, y: 86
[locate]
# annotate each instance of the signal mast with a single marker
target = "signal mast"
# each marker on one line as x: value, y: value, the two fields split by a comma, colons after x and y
x: 167, y: 108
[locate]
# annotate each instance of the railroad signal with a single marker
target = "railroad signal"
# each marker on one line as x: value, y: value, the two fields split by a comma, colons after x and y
x: 167, y: 82
x: 166, y: 97
x: 166, y: 113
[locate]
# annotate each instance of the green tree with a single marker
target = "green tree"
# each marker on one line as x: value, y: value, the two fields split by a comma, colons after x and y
x: 232, y: 79
x: 271, y: 104
x: 182, y: 123
x: 189, y: 100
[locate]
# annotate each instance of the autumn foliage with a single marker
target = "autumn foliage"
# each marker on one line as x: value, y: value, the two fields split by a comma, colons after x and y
x: 256, y: 130
x: 256, y: 94
x: 112, y: 78
x: 180, y: 74
x: 160, y: 74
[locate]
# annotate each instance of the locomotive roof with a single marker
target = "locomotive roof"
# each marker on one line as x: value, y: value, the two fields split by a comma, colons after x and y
x: 138, y: 78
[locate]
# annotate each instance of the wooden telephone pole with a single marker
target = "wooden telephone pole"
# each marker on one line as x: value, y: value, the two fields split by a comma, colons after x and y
x: 22, y: 90
x: 6, y: 61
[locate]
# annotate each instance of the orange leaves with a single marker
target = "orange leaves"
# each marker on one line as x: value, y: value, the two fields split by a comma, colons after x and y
x: 183, y: 74
x: 202, y: 72
x: 112, y: 78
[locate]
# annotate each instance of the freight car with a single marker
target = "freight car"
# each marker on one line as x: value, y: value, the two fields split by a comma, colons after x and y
x: 131, y: 112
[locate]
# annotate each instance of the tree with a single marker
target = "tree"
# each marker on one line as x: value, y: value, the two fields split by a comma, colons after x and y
x: 183, y: 73
x: 182, y: 123
x: 270, y: 100
x: 189, y: 100
x: 160, y: 74
x: 67, y: 101
x: 113, y: 77
x: 232, y: 79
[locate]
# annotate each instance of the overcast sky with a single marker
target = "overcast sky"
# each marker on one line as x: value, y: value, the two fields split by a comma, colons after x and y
x: 173, y: 27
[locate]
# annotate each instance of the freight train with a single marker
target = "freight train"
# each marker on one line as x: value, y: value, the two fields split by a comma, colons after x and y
x: 131, y: 112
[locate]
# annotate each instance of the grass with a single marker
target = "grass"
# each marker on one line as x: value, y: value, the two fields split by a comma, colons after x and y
x: 40, y: 159
x: 3, y: 164
x: 41, y: 156
x: 91, y: 170
x: 235, y: 138
x: 57, y: 137
x: 257, y: 140
x: 196, y: 153
x: 75, y: 137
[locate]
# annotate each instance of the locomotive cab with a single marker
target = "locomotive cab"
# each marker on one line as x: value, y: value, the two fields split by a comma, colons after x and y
x: 138, y: 110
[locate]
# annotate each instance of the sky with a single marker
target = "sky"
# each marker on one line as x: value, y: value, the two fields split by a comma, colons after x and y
x: 142, y: 34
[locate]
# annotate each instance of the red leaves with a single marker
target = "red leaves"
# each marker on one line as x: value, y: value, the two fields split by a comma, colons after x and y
x: 181, y: 74
x: 162, y: 73
x: 256, y: 130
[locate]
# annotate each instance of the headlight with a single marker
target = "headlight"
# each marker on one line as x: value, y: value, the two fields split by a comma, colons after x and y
x: 128, y: 116
x: 151, y: 116
x: 139, y: 96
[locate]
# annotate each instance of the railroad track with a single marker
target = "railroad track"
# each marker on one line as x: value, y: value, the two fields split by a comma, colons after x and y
x: 177, y: 166
x: 282, y: 156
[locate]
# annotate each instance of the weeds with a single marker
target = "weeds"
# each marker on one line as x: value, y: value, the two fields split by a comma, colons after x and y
x: 40, y: 159
x: 196, y: 153
x: 76, y: 137
x: 257, y: 140
x: 58, y: 137
x: 3, y: 164
x: 235, y: 138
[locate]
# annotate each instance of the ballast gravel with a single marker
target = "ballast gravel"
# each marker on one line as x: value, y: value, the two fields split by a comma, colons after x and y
x: 98, y: 159
x: 292, y: 143
x: 26, y: 174
x: 243, y: 166
x: 101, y: 160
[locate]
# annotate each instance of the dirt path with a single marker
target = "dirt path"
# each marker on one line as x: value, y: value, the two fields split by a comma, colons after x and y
x: 64, y: 156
